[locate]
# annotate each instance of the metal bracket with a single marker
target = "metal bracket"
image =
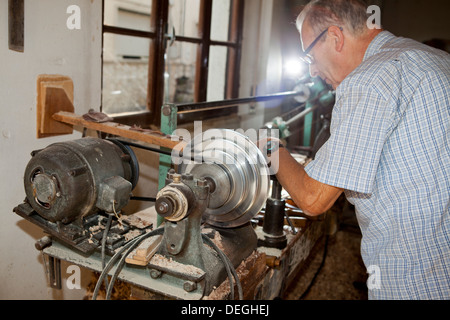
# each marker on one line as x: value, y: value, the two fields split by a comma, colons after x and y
x: 168, y: 126
x: 54, y: 268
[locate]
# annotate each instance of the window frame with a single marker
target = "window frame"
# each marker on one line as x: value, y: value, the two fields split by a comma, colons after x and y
x: 159, y: 21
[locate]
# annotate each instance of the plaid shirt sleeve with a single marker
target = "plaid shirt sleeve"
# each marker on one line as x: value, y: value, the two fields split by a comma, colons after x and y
x: 360, y: 126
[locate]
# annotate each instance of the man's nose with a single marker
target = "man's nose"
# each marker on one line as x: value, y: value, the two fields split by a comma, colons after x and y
x: 313, y: 71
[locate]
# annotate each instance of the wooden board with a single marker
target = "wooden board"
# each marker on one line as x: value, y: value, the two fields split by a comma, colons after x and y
x: 142, y: 254
x: 54, y: 93
x: 120, y: 130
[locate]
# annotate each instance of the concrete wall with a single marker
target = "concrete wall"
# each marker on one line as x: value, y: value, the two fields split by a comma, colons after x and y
x: 50, y: 48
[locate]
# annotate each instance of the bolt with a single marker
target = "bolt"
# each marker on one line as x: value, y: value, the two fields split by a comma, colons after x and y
x: 163, y: 207
x: 202, y: 183
x: 187, y: 176
x: 43, y: 243
x: 189, y: 286
x: 167, y: 110
x: 176, y: 178
x: 155, y: 274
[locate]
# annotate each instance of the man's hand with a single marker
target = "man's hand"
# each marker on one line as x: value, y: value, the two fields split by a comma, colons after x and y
x: 310, y: 195
x: 269, y: 147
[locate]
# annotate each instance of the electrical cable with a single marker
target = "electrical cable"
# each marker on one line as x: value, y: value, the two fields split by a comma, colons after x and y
x: 116, y: 256
x: 325, y: 249
x: 227, y: 264
x: 124, y: 256
x: 104, y: 238
x: 105, y: 271
x: 136, y: 242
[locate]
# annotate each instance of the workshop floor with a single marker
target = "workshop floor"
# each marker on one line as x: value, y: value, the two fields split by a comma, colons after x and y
x: 343, y: 275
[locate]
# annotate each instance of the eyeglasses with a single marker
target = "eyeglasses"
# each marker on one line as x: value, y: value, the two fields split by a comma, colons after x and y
x: 306, y: 57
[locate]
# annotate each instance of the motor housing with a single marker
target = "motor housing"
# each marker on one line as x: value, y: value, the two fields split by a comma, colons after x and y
x: 70, y: 180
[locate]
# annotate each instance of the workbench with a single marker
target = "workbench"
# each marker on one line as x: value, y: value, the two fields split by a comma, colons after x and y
x: 264, y: 275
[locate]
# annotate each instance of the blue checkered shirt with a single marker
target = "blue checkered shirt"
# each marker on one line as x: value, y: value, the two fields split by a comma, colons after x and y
x: 389, y: 149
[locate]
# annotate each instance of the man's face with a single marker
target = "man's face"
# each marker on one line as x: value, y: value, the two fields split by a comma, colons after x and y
x: 324, y: 63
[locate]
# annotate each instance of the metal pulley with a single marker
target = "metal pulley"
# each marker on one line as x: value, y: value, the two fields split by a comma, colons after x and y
x: 236, y: 172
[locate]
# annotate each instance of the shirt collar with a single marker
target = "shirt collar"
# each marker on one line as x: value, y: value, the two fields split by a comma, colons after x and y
x: 377, y: 43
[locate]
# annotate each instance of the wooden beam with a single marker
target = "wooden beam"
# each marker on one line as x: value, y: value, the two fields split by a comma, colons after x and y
x: 117, y: 129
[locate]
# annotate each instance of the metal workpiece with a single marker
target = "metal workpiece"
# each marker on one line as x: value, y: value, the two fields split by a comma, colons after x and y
x: 70, y: 180
x: 235, y: 170
x: 274, y: 213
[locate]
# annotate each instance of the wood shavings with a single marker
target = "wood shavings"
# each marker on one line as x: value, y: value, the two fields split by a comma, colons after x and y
x: 250, y: 272
x: 215, y: 237
x: 137, y: 222
x: 168, y: 263
x: 121, y: 290
x: 132, y: 234
x: 218, y: 241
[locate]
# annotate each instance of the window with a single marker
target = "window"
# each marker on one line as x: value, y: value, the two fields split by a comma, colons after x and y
x: 168, y: 51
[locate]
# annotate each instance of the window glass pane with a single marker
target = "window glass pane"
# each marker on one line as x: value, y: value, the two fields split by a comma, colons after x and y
x: 184, y: 17
x: 220, y: 20
x: 131, y: 14
x: 217, y: 73
x: 125, y: 73
x: 180, y: 72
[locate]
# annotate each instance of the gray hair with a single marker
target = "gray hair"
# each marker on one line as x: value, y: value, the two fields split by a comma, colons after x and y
x: 321, y: 14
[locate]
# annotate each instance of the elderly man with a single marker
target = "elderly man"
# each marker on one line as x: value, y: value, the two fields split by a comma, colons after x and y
x: 388, y: 150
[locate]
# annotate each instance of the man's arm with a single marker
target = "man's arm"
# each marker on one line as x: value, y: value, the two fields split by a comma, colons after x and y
x: 312, y: 196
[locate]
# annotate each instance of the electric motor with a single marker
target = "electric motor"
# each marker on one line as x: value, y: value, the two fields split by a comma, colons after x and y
x: 70, y: 180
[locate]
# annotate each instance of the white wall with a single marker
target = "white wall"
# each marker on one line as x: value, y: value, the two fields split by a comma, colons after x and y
x: 50, y: 48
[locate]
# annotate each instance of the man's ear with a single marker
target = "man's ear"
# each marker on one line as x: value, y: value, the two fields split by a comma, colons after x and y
x: 337, y: 35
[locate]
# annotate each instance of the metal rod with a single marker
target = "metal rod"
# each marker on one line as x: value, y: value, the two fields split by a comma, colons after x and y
x: 137, y: 145
x: 128, y: 32
x: 301, y: 114
x: 169, y: 153
x: 201, y: 106
x: 143, y: 199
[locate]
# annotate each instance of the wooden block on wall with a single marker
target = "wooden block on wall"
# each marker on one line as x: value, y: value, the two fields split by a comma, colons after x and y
x: 54, y: 94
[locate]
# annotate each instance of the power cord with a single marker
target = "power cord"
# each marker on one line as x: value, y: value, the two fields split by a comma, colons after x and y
x: 130, y: 246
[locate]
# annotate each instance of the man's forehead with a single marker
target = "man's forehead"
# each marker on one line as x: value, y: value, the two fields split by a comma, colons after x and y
x: 306, y: 35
